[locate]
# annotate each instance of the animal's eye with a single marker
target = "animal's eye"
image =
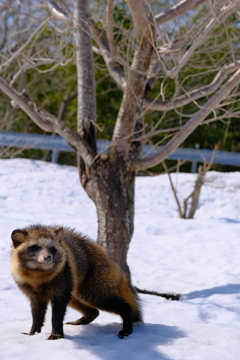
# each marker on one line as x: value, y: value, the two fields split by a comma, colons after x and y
x: 34, y: 248
x: 53, y: 250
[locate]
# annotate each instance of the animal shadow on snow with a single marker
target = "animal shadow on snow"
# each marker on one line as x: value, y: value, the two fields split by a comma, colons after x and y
x: 228, y: 289
x: 141, y: 344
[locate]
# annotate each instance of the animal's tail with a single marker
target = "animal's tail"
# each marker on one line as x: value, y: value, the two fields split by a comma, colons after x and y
x: 137, y: 311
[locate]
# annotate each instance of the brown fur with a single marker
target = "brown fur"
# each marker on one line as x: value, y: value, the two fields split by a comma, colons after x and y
x: 58, y: 265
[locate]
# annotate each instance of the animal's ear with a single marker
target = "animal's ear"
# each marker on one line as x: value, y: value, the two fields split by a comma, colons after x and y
x: 18, y: 237
x: 58, y: 232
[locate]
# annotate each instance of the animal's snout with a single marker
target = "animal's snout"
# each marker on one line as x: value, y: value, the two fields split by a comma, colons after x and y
x: 47, y: 258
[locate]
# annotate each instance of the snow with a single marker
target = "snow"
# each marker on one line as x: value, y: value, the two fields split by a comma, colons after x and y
x: 200, y: 259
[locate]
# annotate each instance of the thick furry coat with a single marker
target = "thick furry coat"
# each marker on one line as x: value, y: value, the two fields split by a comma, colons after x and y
x: 60, y: 266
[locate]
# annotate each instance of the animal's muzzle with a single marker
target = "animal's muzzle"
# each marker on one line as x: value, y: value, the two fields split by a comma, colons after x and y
x: 47, y: 258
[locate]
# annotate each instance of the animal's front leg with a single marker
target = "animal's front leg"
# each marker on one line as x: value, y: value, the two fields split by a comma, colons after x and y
x: 38, y: 308
x: 59, y: 306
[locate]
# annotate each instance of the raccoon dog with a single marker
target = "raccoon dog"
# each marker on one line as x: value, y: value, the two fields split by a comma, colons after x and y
x: 59, y: 266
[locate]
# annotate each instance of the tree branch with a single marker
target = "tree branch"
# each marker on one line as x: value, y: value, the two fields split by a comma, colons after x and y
x: 60, y: 12
x: 131, y: 106
x: 109, y: 56
x: 113, y: 68
x: 181, y: 215
x: 154, y: 133
x: 23, y: 47
x: 140, y: 18
x: 178, y: 10
x: 196, y: 120
x: 195, y: 94
x: 217, y: 15
x: 109, y: 28
x: 64, y: 104
x: 49, y: 123
x: 86, y: 113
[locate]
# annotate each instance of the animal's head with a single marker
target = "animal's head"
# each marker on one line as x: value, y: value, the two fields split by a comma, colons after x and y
x: 38, y: 247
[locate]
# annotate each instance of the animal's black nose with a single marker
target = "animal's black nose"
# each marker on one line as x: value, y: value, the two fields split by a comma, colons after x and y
x: 47, y: 258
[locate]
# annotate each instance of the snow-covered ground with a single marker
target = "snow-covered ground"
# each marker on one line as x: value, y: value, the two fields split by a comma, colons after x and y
x: 199, y: 259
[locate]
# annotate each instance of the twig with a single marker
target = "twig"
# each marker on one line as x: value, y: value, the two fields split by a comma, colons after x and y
x: 174, y: 191
x: 168, y: 296
x: 191, y: 125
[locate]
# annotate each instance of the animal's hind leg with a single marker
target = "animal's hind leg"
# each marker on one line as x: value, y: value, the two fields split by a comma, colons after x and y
x: 89, y: 313
x: 119, y: 306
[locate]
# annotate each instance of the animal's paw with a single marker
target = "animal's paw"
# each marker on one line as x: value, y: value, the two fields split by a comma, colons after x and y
x: 55, y: 337
x: 31, y: 333
x: 76, y: 322
x: 123, y: 333
x: 82, y: 321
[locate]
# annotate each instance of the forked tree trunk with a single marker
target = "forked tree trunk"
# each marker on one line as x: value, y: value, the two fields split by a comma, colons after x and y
x: 111, y: 187
x: 106, y: 178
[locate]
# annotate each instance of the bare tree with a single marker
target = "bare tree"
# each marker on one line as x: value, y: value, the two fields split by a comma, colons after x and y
x: 163, y: 58
x: 184, y: 212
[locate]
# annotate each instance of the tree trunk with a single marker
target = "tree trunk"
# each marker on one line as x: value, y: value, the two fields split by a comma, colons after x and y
x: 111, y: 187
x: 196, y: 192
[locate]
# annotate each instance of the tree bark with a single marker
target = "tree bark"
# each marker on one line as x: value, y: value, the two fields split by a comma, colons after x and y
x: 111, y: 187
x: 86, y: 116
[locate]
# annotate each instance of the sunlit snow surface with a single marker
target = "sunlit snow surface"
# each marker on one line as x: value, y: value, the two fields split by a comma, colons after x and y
x: 199, y: 259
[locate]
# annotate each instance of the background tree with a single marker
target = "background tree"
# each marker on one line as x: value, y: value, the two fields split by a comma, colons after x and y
x: 172, y: 62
